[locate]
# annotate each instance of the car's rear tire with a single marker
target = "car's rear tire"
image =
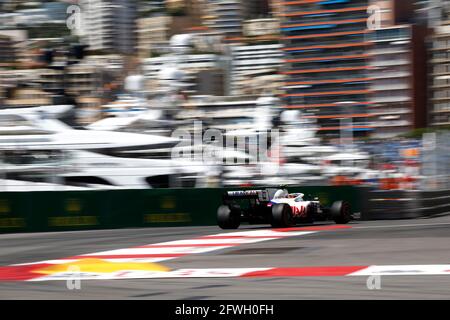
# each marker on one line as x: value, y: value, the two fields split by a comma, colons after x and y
x: 341, y: 212
x: 311, y: 213
x: 228, y: 218
x: 282, y: 216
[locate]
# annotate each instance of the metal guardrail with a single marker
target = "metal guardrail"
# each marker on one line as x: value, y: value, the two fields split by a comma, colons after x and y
x: 434, y: 203
x: 386, y: 205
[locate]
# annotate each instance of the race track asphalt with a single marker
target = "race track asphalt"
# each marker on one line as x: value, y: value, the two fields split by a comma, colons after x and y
x: 400, y: 242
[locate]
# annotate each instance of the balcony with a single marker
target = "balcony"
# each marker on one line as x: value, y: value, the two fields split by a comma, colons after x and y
x: 320, y: 29
x: 329, y: 87
x: 391, y: 74
x: 324, y: 52
x: 391, y: 99
x: 318, y: 93
x: 334, y: 34
x: 344, y: 70
x: 389, y: 63
x: 303, y: 8
x: 346, y: 63
x: 329, y: 42
x: 325, y: 17
x: 335, y: 75
x: 327, y: 46
x: 391, y: 87
x: 332, y: 101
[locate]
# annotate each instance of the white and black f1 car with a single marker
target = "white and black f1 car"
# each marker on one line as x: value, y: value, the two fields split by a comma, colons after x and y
x: 278, y: 208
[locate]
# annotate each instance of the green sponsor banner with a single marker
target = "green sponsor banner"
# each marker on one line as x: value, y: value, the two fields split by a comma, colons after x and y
x: 180, y: 207
x: 71, y: 210
x: 13, y: 213
x: 109, y: 209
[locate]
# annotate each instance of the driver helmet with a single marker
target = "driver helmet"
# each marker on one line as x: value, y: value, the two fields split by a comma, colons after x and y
x: 281, y: 193
x: 300, y: 196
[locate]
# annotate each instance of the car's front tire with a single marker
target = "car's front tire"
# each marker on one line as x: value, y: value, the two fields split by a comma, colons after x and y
x: 341, y: 212
x: 228, y: 218
x: 282, y: 216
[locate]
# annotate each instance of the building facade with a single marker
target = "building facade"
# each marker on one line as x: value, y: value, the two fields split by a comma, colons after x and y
x: 194, y: 68
x: 327, y: 63
x: 8, y: 54
x: 152, y: 32
x: 109, y: 25
x: 439, y: 115
x: 398, y: 80
x: 227, y: 16
x: 356, y: 66
x: 224, y: 17
x: 256, y: 58
x: 255, y: 68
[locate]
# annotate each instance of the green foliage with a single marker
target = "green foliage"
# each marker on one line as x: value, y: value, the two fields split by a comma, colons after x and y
x: 99, y: 52
x: 177, y: 12
x: 48, y: 30
x: 155, y: 54
x: 150, y: 12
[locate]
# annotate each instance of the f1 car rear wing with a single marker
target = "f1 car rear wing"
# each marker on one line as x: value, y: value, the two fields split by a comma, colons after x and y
x: 261, y: 195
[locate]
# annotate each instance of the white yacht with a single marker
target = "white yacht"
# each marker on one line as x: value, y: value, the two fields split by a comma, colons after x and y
x: 39, y: 128
x: 27, y: 186
x: 35, y: 146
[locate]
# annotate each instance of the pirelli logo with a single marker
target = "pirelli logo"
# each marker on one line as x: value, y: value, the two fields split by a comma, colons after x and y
x: 7, y: 223
x: 167, y: 218
x: 7, y: 219
x: 73, y: 221
x: 4, y: 206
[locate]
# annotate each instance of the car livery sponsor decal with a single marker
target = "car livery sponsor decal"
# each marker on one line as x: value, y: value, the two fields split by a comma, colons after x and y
x: 298, y: 210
